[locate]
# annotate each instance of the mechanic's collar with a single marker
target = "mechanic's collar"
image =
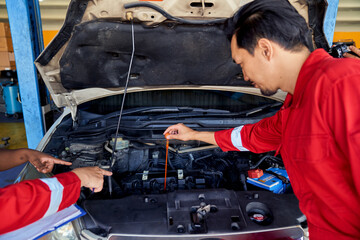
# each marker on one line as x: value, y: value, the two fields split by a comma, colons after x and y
x: 307, y: 70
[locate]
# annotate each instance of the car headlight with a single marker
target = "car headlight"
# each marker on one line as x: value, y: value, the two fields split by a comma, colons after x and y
x: 65, y: 232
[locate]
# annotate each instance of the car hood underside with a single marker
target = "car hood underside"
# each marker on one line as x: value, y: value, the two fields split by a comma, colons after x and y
x: 176, y: 43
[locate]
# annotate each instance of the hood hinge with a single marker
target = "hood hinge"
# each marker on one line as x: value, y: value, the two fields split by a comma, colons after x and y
x: 73, y: 108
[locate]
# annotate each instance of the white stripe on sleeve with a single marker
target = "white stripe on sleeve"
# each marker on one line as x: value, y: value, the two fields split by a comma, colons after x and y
x: 236, y: 139
x: 56, y: 189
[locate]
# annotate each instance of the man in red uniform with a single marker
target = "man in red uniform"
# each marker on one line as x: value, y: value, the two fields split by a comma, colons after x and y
x: 26, y: 202
x: 317, y: 130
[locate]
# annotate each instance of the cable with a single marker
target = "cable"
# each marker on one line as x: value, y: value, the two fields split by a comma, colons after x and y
x: 112, y: 160
x: 125, y: 90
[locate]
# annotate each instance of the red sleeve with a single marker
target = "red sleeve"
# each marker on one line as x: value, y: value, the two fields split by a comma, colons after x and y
x: 263, y: 136
x: 28, y: 201
x: 260, y: 137
x: 342, y: 112
x: 223, y: 140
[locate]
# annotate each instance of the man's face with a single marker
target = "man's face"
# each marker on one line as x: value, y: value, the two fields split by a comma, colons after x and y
x: 255, y: 68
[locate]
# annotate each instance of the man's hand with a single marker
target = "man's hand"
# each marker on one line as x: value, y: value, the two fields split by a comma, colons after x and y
x: 92, y: 177
x: 180, y: 132
x: 354, y: 50
x: 42, y: 162
x: 184, y: 133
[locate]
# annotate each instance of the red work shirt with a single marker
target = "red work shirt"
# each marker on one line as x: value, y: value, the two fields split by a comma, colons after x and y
x: 317, y: 132
x: 28, y: 201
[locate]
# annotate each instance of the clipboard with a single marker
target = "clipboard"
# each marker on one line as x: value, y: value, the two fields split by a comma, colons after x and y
x: 45, y: 225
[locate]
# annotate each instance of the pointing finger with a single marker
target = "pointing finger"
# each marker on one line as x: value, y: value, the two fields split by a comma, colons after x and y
x: 106, y: 173
x: 62, y: 162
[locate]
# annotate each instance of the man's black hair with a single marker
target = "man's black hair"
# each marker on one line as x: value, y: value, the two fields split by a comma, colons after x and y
x: 276, y: 20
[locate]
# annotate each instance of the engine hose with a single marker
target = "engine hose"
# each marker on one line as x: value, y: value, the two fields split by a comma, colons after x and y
x: 276, y: 160
x: 203, y: 157
x: 178, y: 163
x: 243, y: 181
x: 144, y: 146
x: 214, y: 174
x: 223, y: 164
x: 259, y: 162
x: 220, y: 174
x: 169, y: 163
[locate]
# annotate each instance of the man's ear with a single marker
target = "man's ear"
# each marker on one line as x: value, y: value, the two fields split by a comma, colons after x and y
x: 266, y: 48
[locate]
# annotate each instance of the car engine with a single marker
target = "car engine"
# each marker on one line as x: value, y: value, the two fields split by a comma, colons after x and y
x: 138, y: 166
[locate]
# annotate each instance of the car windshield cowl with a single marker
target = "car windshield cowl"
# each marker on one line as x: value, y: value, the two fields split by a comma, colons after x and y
x: 159, y: 110
x: 171, y: 113
x: 130, y: 124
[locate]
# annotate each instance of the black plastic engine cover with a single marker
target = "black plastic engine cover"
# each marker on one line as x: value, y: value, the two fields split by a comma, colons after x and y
x: 174, y: 214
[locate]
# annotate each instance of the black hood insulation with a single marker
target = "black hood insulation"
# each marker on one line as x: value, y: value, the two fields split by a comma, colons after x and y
x: 164, y: 55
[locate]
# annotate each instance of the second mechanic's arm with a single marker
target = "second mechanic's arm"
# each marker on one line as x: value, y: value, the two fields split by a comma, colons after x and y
x: 42, y: 162
x: 28, y: 201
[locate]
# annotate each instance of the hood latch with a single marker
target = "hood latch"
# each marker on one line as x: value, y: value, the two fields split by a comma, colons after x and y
x: 71, y: 103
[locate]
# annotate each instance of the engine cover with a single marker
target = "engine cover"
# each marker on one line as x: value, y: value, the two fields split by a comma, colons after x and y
x: 189, y: 214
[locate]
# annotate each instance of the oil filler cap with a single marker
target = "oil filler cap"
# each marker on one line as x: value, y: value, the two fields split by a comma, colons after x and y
x: 257, y: 217
x: 259, y: 213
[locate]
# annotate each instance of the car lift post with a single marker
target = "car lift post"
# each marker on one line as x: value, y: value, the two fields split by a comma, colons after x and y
x: 330, y: 20
x: 26, y: 34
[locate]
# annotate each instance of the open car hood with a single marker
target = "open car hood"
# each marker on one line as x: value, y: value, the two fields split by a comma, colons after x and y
x: 178, y: 44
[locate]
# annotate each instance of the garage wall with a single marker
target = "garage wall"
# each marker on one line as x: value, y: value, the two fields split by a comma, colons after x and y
x: 48, y: 36
x: 348, y: 21
x: 52, y: 13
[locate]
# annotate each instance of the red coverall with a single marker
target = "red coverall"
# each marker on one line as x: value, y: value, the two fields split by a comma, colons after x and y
x: 26, y: 202
x: 317, y: 132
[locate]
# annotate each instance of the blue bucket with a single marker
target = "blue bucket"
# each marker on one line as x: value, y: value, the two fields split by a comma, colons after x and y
x: 10, y: 95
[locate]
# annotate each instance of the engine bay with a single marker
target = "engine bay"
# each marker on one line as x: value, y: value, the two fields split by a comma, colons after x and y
x: 207, y: 190
x: 138, y: 166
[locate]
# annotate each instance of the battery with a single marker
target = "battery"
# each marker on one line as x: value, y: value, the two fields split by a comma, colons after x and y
x: 270, y: 182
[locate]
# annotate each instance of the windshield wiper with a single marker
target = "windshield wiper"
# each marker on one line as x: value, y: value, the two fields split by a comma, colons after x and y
x: 262, y: 108
x: 216, y: 113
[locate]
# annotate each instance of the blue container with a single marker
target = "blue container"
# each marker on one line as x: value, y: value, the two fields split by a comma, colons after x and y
x: 10, y: 95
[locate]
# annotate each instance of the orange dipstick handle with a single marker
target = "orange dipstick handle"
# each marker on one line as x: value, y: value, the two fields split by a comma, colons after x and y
x: 167, y: 153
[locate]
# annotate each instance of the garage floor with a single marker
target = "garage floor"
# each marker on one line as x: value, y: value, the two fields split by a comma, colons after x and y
x: 15, y: 129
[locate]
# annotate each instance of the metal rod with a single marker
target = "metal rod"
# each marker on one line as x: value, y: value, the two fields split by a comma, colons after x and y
x: 122, y: 104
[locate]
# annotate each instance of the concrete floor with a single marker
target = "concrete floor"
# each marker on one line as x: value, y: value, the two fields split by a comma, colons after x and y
x: 15, y: 129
